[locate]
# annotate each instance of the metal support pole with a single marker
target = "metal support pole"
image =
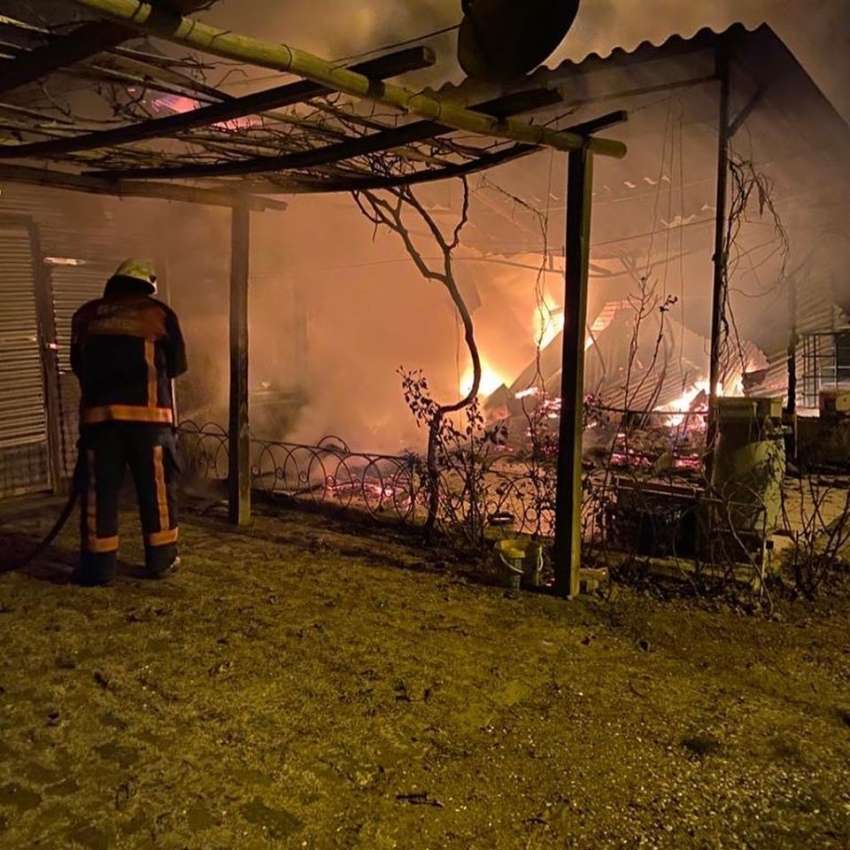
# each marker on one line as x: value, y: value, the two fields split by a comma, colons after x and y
x: 239, y: 477
x: 793, y: 342
x: 568, y: 498
x: 720, y: 259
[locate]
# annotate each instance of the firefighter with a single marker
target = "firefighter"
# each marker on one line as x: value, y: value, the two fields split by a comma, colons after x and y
x: 126, y: 348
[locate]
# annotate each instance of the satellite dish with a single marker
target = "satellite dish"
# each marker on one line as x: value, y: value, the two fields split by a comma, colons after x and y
x: 500, y: 40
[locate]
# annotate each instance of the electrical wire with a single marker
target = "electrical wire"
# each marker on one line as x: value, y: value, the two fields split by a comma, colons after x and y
x: 681, y: 230
x: 395, y: 45
x: 659, y: 185
x: 387, y: 48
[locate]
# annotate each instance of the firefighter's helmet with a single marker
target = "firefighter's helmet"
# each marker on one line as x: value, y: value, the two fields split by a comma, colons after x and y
x: 139, y: 270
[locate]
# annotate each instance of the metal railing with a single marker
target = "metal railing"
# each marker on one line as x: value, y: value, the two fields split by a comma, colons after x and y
x: 328, y: 473
x: 515, y: 497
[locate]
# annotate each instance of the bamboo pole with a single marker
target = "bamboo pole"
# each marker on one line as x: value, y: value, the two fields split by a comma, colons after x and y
x: 280, y: 57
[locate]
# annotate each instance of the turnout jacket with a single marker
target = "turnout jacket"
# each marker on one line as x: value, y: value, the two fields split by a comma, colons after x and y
x: 125, y: 349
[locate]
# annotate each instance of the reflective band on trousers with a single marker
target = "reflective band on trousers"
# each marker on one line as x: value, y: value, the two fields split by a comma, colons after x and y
x: 162, y: 538
x: 161, y: 491
x: 95, y: 544
x: 127, y: 413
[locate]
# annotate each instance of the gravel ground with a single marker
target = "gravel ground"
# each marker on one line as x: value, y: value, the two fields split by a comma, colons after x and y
x: 300, y: 685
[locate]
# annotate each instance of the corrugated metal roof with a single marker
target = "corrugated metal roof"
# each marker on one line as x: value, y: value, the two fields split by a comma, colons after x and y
x: 794, y: 134
x: 759, y: 52
x: 675, y: 45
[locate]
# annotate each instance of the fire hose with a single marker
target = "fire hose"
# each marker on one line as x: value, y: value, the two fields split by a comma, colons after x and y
x: 67, y: 510
x: 77, y: 484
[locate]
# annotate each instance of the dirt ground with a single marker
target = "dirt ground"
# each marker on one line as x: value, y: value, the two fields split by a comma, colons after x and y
x: 300, y: 685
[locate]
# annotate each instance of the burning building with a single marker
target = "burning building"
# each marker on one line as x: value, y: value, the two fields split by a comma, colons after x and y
x: 652, y: 282
x: 715, y: 243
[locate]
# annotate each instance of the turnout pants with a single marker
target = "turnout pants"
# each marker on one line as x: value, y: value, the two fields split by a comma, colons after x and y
x: 107, y: 449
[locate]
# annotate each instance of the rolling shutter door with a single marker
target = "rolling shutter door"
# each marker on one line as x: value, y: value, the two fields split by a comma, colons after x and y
x: 24, y: 458
x: 72, y: 286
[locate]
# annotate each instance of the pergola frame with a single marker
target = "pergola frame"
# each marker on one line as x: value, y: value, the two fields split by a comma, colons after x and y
x: 61, y: 157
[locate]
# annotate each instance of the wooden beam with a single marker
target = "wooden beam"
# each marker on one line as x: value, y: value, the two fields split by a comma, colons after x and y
x: 417, y: 131
x: 745, y: 113
x: 374, y: 143
x: 252, y: 104
x: 280, y: 57
x: 191, y: 195
x: 153, y: 76
x: 568, y: 499
x: 85, y: 41
x: 131, y: 188
x: 483, y: 162
x: 603, y: 122
x: 57, y: 121
x: 364, y: 184
x: 101, y: 73
x: 239, y: 439
x: 19, y: 27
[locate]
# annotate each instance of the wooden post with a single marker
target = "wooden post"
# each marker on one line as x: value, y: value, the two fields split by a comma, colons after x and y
x: 568, y: 497
x: 719, y: 259
x: 239, y: 477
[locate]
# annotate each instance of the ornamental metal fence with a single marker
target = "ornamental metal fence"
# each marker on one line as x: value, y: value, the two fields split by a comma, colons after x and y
x: 514, y: 497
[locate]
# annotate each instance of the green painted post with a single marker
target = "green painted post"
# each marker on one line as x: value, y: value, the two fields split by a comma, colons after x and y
x: 568, y: 498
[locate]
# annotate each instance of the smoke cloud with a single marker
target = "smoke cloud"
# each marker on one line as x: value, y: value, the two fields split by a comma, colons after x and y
x: 337, y: 308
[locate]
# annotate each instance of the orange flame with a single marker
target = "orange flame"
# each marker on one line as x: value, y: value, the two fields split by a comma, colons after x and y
x: 491, y: 380
x: 548, y: 321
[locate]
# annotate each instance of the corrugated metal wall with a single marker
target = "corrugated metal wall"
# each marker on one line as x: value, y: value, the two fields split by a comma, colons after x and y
x: 71, y: 286
x: 24, y: 454
x: 96, y: 233
x: 72, y: 224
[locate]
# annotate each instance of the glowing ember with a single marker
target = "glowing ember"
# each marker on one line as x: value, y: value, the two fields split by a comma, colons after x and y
x: 685, y: 404
x: 531, y: 391
x: 180, y: 104
x: 551, y: 407
x: 695, y: 400
x: 174, y: 103
x: 367, y: 490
